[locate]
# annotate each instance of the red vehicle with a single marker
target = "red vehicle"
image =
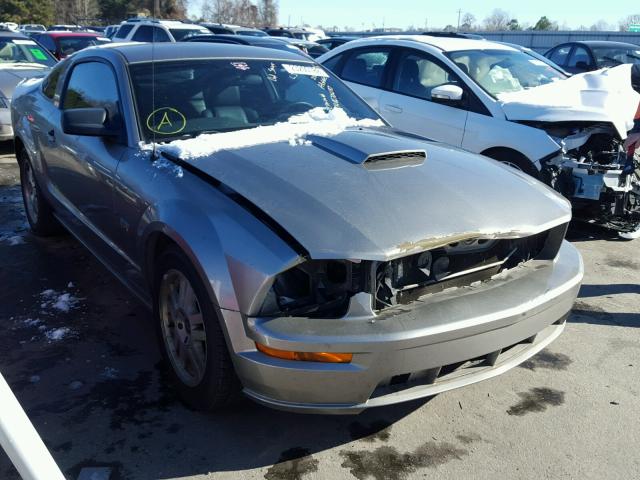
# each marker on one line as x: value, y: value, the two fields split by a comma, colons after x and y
x: 63, y: 44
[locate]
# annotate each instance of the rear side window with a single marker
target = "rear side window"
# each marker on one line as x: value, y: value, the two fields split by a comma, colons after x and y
x: 123, y: 31
x: 84, y: 92
x: 559, y: 55
x: 146, y: 33
x: 366, y: 67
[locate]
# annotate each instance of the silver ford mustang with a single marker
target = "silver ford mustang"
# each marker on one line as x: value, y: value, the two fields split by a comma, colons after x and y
x: 291, y: 244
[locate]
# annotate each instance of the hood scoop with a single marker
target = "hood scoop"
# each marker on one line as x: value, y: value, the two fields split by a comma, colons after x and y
x: 408, y: 158
x: 370, y: 151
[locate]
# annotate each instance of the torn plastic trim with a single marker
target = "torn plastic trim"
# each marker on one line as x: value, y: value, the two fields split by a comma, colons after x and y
x: 242, y: 201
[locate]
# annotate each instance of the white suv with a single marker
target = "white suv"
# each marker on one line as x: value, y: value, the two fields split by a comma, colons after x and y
x: 156, y: 30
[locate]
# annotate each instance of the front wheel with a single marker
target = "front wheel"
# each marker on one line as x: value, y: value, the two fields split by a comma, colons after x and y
x: 39, y: 213
x: 190, y: 335
x: 515, y: 160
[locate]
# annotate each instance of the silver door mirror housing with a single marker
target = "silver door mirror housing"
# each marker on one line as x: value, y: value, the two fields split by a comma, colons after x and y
x: 447, y: 93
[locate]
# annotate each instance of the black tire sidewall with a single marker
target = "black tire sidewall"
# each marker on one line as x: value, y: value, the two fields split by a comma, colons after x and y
x: 516, y: 158
x: 46, y: 224
x: 219, y: 383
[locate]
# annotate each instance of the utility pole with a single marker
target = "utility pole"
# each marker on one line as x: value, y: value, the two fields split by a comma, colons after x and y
x: 459, y: 12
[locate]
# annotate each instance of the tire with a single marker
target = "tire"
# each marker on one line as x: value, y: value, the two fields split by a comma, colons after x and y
x: 190, y: 335
x: 38, y: 211
x: 514, y: 159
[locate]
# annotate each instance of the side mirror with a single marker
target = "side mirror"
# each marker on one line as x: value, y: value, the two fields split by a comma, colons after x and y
x: 447, y: 93
x: 88, y: 121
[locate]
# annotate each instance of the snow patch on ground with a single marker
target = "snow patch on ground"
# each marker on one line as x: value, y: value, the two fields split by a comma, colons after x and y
x: 316, y: 121
x: 61, y: 301
x: 57, y: 334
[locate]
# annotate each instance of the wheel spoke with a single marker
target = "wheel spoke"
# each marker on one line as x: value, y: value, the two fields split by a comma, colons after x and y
x: 198, y: 336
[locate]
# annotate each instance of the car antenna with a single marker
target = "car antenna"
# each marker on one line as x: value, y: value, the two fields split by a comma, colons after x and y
x: 154, y: 153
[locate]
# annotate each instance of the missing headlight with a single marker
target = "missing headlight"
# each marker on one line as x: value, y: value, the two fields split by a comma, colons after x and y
x: 315, y: 288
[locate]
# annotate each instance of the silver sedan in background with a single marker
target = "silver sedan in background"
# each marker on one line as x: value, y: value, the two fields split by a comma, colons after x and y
x: 290, y: 243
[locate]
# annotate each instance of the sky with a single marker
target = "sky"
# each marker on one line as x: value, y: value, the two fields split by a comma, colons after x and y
x: 438, y: 14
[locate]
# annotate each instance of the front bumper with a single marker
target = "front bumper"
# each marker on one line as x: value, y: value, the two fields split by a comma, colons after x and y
x: 437, y: 343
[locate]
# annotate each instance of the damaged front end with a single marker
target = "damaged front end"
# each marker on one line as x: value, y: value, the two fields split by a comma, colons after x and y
x: 364, y: 289
x: 594, y: 171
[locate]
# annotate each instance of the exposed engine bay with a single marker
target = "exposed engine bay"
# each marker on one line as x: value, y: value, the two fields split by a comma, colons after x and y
x: 338, y: 288
x: 596, y: 174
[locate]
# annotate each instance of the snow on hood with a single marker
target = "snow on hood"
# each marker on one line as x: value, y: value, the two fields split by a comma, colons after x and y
x: 316, y: 121
x: 604, y: 96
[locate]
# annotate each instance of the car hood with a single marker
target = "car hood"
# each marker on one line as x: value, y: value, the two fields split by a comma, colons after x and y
x: 602, y: 96
x: 11, y: 76
x: 327, y: 194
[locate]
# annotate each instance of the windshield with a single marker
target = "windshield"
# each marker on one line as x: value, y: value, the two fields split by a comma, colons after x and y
x: 69, y: 45
x: 502, y: 71
x: 23, y: 51
x: 211, y: 96
x: 612, y: 56
x: 180, y: 33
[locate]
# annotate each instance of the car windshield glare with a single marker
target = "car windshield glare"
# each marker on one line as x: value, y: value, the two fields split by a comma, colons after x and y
x: 185, y: 98
x: 23, y: 51
x: 503, y: 71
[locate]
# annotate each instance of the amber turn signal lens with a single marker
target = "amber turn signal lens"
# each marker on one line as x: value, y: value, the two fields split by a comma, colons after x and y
x: 325, y: 357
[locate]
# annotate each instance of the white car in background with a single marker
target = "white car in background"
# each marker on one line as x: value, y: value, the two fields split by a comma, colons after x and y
x: 156, y: 30
x: 490, y: 98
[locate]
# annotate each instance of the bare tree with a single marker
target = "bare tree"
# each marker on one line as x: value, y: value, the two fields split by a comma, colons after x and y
x: 268, y: 13
x: 626, y: 22
x: 468, y: 21
x: 600, y: 26
x: 497, y: 20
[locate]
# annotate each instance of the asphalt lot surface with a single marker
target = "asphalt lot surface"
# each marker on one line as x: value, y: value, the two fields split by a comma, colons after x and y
x: 79, y: 352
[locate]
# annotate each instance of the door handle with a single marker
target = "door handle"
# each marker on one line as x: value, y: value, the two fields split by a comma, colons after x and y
x: 393, y: 108
x: 51, y: 135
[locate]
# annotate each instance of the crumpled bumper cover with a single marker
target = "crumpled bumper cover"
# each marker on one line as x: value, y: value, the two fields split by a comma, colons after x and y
x: 437, y: 343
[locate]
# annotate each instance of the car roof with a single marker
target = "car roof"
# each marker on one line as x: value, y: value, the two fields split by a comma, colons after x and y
x: 56, y: 34
x: 167, y: 51
x: 10, y: 34
x: 605, y: 43
x: 445, y: 44
x: 252, y: 39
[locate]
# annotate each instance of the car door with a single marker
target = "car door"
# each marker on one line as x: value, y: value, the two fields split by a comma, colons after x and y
x: 407, y: 103
x: 580, y: 60
x: 364, y: 70
x: 82, y: 168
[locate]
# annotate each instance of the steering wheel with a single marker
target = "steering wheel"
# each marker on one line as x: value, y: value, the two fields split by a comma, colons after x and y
x: 293, y: 108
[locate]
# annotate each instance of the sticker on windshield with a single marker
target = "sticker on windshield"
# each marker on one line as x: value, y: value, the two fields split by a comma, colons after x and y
x: 166, y: 121
x: 240, y: 65
x: 19, y: 41
x: 38, y: 54
x: 308, y: 70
